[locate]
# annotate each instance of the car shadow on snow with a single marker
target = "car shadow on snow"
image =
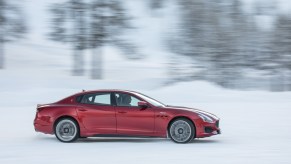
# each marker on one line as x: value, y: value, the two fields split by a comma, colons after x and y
x: 124, y: 140
x: 128, y: 140
x: 204, y: 141
x: 141, y: 140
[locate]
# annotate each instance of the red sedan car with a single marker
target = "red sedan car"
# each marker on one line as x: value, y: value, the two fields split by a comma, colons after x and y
x: 122, y: 113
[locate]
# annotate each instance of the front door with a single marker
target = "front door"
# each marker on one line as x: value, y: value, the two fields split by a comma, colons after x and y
x: 131, y: 119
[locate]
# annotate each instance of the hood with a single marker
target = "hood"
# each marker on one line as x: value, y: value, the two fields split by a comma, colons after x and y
x: 192, y: 110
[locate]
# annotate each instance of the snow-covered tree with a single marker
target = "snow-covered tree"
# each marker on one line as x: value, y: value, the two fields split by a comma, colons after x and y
x: 12, y: 25
x: 210, y: 34
x: 281, y: 57
x: 108, y: 20
x: 69, y: 26
x: 156, y: 4
x: 90, y: 24
x: 219, y: 37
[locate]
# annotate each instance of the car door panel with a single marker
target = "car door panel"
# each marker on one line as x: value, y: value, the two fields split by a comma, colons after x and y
x: 132, y: 120
x: 97, y: 113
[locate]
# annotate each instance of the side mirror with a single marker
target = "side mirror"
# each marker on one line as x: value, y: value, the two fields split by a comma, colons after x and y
x: 142, y: 104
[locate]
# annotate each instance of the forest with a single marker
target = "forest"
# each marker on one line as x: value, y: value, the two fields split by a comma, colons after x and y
x: 219, y: 41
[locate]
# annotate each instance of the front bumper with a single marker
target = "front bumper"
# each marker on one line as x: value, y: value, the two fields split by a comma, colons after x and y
x: 205, y: 129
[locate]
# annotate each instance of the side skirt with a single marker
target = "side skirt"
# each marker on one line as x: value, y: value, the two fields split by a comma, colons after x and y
x: 121, y: 135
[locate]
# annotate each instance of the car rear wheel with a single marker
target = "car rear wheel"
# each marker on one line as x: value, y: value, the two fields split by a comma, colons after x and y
x: 66, y: 130
x: 181, y: 130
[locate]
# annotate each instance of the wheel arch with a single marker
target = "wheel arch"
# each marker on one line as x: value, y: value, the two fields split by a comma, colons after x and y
x: 66, y: 116
x: 182, y: 117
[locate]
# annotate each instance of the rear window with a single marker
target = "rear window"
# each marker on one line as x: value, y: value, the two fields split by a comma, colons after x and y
x: 79, y: 98
x: 95, y: 99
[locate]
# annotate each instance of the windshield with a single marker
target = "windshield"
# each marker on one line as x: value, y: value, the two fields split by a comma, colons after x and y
x: 150, y: 100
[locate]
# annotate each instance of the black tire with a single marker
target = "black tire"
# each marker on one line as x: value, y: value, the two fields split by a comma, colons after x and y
x: 67, y: 130
x: 181, y: 130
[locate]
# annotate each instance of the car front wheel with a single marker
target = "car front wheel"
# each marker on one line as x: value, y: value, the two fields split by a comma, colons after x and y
x: 181, y: 130
x: 66, y: 130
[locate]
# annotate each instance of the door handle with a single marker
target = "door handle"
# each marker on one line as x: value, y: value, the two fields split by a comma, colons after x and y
x: 122, y: 112
x: 82, y: 110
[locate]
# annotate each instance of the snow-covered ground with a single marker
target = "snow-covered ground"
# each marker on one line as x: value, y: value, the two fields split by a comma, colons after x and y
x: 256, y: 125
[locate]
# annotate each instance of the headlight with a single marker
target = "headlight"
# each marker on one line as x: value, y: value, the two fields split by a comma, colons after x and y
x: 206, y: 118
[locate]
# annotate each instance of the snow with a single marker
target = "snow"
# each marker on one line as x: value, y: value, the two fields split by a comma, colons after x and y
x: 255, y: 124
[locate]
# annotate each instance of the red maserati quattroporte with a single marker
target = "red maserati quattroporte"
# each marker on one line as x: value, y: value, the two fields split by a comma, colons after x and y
x: 122, y: 113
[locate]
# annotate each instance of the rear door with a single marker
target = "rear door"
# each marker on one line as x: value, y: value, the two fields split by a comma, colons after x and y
x: 97, y: 113
x: 131, y: 119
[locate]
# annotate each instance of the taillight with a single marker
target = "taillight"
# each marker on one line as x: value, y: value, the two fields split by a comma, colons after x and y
x: 36, y: 114
x: 39, y: 107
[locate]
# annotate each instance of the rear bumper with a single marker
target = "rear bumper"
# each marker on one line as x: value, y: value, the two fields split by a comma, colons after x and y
x: 42, y: 126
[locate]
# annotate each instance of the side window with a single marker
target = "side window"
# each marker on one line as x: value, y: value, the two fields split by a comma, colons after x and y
x: 97, y: 99
x: 102, y: 99
x: 123, y: 99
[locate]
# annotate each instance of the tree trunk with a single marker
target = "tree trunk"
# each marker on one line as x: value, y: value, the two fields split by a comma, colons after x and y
x: 276, y: 81
x: 283, y: 82
x: 96, y: 61
x: 1, y: 53
x: 78, y: 62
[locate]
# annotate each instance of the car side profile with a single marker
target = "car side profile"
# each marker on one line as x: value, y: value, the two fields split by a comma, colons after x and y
x: 122, y: 113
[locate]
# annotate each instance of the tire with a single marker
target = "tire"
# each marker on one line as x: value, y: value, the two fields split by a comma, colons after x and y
x: 181, y: 130
x: 67, y: 130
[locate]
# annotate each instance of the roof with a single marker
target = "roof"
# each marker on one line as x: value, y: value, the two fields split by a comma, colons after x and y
x: 107, y: 90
